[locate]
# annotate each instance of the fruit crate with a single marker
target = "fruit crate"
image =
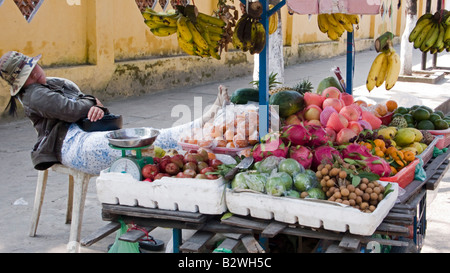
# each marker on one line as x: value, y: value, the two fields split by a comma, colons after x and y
x: 405, y: 176
x: 169, y: 193
x: 427, y: 154
x: 445, y: 141
x: 310, y: 212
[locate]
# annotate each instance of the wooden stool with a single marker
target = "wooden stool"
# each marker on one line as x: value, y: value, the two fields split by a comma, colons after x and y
x: 79, y: 182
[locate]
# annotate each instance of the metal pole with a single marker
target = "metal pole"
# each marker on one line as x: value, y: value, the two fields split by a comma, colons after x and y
x: 424, y: 55
x: 349, y: 83
x: 439, y: 5
x: 263, y: 79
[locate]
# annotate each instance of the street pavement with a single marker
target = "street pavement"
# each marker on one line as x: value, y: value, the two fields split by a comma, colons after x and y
x: 18, y: 178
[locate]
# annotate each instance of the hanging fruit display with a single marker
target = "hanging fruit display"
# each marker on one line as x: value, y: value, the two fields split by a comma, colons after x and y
x: 198, y: 34
x: 335, y: 24
x: 432, y: 32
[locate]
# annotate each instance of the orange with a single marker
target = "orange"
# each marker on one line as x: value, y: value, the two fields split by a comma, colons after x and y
x: 391, y: 105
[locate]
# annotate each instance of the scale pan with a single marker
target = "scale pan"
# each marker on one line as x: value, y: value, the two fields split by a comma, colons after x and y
x: 132, y: 137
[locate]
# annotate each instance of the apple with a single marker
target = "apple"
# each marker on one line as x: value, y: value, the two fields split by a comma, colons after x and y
x: 160, y: 175
x: 215, y: 162
x: 207, y: 169
x: 200, y: 176
x: 148, y: 180
x: 172, y: 168
x: 190, y: 173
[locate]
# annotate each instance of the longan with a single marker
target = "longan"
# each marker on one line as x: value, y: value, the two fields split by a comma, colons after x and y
x: 345, y: 202
x: 352, y: 196
x: 334, y: 171
x: 330, y: 183
x: 359, y: 192
x: 372, y: 207
x: 320, y: 167
x: 368, y: 190
x: 365, y: 180
x: 304, y: 194
x: 366, y: 196
x: 371, y: 185
x: 342, y: 174
x: 319, y: 174
x: 373, y: 196
x: 324, y: 171
x: 358, y: 199
x: 351, y: 188
x: 337, y: 195
x: 345, y: 192
x: 363, y: 187
x: 364, y: 205
x: 377, y: 190
x: 328, y: 166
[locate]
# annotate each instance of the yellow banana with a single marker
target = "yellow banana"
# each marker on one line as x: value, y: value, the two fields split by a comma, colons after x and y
x: 418, y: 29
x: 163, y: 31
x: 374, y: 71
x: 213, y: 53
x: 342, y: 19
x: 166, y: 19
x: 393, y: 69
x: 153, y: 24
x: 273, y: 22
x: 183, y: 29
x: 187, y: 47
x: 382, y: 73
x: 331, y: 21
x: 353, y: 18
x: 196, y: 36
x: 431, y: 38
x: 322, y: 22
x: 422, y: 35
x: 332, y: 34
x: 211, y: 19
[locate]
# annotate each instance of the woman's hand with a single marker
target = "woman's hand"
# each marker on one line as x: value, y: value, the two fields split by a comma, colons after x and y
x: 95, y: 113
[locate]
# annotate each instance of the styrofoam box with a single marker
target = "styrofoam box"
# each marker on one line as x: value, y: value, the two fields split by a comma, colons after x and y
x: 311, y: 212
x: 169, y: 193
x: 334, y: 6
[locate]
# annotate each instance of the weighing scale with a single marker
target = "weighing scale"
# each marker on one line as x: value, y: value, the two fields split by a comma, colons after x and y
x: 130, y: 164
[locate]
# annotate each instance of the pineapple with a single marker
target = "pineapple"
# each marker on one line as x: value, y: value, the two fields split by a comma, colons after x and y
x: 303, y: 86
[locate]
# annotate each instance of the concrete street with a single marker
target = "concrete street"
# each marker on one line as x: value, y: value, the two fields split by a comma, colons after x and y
x: 18, y: 178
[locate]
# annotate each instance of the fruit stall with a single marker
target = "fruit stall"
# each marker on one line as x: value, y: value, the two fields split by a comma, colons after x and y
x: 338, y: 174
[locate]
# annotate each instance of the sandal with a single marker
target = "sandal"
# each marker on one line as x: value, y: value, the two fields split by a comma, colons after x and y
x: 149, y: 243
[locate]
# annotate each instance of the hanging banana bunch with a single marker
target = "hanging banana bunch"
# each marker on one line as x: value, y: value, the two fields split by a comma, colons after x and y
x: 161, y: 24
x: 198, y: 34
x: 431, y: 32
x: 335, y: 24
x: 249, y: 33
x: 385, y: 68
x: 273, y: 21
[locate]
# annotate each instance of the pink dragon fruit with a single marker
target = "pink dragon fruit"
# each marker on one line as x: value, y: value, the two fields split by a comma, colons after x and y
x: 302, y: 154
x: 375, y: 164
x: 354, y: 150
x: 324, y: 154
x: 272, y: 145
x: 295, y: 134
x: 318, y: 135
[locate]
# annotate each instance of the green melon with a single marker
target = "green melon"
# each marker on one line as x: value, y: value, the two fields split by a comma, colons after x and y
x: 327, y: 82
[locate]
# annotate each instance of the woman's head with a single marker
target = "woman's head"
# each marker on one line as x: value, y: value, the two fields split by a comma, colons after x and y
x: 16, y: 69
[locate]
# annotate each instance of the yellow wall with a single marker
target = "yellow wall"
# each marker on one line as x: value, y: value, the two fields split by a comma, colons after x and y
x: 106, y: 48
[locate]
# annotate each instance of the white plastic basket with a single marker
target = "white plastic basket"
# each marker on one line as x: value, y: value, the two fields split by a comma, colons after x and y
x: 169, y: 193
x: 311, y: 212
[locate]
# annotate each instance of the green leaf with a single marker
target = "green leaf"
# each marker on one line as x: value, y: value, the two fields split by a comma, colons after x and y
x: 226, y: 216
x: 369, y: 175
x: 356, y: 180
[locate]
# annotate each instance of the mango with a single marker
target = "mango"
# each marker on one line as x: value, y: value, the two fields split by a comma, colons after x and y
x: 404, y: 137
x: 417, y: 146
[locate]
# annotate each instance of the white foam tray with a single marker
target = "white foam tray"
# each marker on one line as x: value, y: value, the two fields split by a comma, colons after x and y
x: 182, y: 194
x: 310, y: 212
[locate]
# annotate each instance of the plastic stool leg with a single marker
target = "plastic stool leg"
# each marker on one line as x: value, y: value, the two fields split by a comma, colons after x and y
x: 81, y: 182
x: 69, y: 201
x: 38, y: 200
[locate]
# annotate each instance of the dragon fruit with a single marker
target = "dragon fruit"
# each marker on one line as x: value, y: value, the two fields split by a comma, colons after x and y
x: 353, y: 150
x: 296, y: 134
x: 318, y: 135
x: 302, y: 155
x: 324, y: 154
x: 272, y: 145
x: 374, y: 164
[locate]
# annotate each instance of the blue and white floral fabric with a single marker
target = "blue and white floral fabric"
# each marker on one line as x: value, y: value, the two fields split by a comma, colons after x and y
x: 90, y: 152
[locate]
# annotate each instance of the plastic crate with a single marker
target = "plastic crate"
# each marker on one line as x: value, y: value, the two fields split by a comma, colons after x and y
x: 427, y: 154
x: 310, y: 212
x: 405, y: 176
x: 168, y: 193
x: 445, y: 141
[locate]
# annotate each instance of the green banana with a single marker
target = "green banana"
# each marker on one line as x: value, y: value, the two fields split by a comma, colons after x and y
x: 422, y: 35
x: 153, y: 24
x: 258, y: 38
x: 431, y: 38
x: 418, y: 29
x: 439, y: 45
x: 447, y: 35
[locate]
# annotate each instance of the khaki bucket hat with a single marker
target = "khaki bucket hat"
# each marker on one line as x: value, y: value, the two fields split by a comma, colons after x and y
x: 15, y: 68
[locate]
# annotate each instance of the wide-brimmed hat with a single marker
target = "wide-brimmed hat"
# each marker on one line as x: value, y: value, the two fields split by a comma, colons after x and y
x: 15, y: 68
